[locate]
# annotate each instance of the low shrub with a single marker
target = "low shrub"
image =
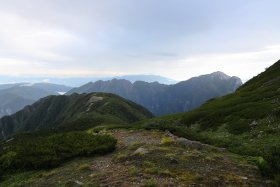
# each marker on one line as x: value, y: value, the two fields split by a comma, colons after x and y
x: 84, y: 167
x: 269, y: 165
x: 51, y: 151
x: 150, y: 183
x: 239, y: 126
x: 167, y: 140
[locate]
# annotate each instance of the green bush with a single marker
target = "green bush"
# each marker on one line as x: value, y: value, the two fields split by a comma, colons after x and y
x: 150, y: 183
x: 51, y: 151
x: 239, y: 126
x: 270, y: 164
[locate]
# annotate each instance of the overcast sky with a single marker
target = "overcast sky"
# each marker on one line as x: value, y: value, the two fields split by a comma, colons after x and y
x: 173, y: 38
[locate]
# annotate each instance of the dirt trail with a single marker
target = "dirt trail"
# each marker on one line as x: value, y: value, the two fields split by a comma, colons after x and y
x: 153, y: 158
x: 169, y: 164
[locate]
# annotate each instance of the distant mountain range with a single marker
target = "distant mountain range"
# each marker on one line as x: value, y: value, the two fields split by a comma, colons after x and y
x: 158, y: 98
x: 14, y: 97
x: 167, y: 99
x: 147, y: 78
x: 78, y: 81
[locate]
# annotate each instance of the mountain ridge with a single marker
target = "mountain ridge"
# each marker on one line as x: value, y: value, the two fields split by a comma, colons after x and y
x: 74, y: 111
x: 164, y: 99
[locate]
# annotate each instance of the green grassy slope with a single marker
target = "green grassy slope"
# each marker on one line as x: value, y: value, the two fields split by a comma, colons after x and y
x: 250, y: 116
x: 146, y: 158
x: 255, y: 100
x: 246, y: 122
x: 52, y: 131
x: 74, y: 112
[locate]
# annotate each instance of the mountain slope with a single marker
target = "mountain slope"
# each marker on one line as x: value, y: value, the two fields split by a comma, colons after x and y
x: 14, y: 97
x: 72, y: 112
x: 167, y: 99
x: 257, y: 99
x: 11, y: 103
x: 245, y: 122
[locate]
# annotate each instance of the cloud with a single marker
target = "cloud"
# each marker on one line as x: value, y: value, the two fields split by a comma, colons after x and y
x: 26, y: 39
x: 244, y: 64
x: 179, y: 39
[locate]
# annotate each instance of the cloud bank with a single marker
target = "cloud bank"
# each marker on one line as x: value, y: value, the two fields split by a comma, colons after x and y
x: 178, y: 39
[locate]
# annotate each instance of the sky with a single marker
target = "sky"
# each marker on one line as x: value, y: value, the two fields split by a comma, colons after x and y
x: 178, y: 39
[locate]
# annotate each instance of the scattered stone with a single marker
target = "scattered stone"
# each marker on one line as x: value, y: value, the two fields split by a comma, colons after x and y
x: 170, y: 134
x: 79, y: 182
x: 189, y: 143
x: 222, y: 149
x: 141, y: 151
x: 94, y: 99
x: 75, y: 183
x: 9, y: 140
x: 173, y: 161
x: 253, y: 124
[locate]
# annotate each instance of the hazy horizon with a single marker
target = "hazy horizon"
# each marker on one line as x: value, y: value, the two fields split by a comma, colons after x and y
x: 176, y: 39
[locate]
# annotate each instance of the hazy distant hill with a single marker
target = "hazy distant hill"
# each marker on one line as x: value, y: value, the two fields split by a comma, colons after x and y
x: 13, y: 97
x: 78, y: 81
x: 77, y: 111
x: 167, y: 99
x: 147, y: 78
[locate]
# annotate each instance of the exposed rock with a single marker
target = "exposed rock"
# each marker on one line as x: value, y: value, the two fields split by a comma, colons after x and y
x: 185, y: 142
x: 173, y: 161
x: 189, y: 143
x: 79, y: 183
x: 92, y: 100
x: 75, y: 183
x: 253, y: 124
x: 95, y: 98
x: 170, y: 134
x: 9, y: 140
x: 141, y: 151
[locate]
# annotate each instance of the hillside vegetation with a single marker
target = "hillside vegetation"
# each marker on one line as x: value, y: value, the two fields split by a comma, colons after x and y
x: 144, y: 159
x: 54, y: 130
x: 27, y: 152
x: 246, y: 122
x: 74, y: 112
x: 251, y: 114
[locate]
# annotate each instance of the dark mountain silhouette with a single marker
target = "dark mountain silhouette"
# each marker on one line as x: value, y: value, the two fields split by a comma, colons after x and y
x: 167, y: 99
